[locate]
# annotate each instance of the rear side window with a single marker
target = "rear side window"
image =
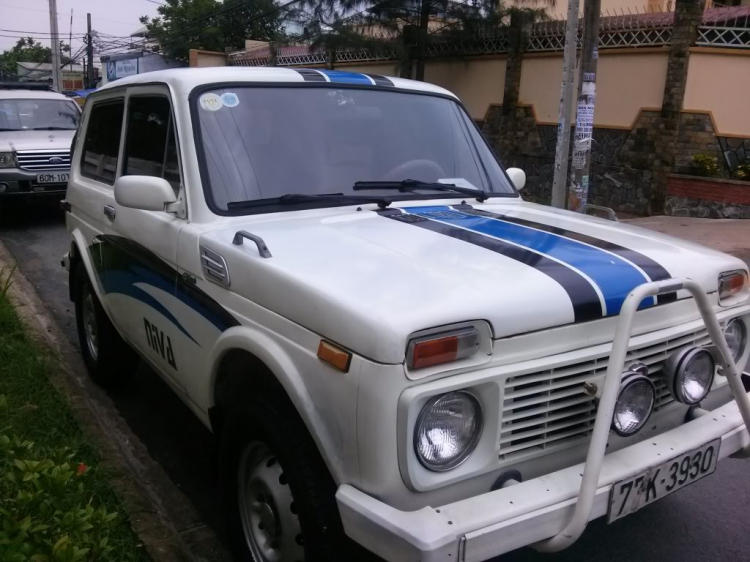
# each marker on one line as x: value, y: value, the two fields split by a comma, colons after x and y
x: 151, y: 147
x: 102, y: 143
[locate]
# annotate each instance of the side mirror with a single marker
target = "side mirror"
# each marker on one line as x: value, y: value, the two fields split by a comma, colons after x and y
x: 147, y: 193
x: 517, y: 176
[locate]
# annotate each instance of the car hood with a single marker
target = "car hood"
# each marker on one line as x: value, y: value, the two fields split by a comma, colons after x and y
x: 11, y: 141
x: 368, y: 279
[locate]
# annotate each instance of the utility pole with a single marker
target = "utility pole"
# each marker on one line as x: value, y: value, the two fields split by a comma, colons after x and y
x: 56, y: 76
x: 89, y: 53
x: 70, y: 40
x: 566, y: 93
x: 579, y: 177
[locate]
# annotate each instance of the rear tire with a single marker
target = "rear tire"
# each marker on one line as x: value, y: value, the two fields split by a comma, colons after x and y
x: 278, y: 496
x: 109, y: 360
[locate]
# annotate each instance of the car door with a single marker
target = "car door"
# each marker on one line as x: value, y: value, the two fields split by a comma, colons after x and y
x: 140, y: 253
x: 96, y: 152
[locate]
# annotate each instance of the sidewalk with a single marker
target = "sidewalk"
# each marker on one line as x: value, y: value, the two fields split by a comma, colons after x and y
x: 726, y: 235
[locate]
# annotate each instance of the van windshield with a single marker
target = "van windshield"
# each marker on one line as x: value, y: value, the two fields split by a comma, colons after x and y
x: 261, y: 143
x: 37, y: 115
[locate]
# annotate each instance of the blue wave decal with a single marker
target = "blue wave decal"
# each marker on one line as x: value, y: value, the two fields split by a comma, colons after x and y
x: 614, y: 276
x: 123, y: 282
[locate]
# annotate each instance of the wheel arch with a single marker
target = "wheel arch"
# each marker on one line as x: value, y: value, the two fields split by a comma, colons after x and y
x: 242, y: 344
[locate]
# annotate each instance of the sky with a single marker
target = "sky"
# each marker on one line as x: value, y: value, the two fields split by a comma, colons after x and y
x: 118, y: 18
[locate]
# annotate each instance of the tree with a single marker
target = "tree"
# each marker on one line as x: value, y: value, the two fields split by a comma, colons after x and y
x: 404, y: 26
x: 212, y: 25
x: 29, y: 50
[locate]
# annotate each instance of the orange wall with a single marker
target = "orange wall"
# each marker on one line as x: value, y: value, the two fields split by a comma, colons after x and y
x: 626, y: 82
x: 719, y: 82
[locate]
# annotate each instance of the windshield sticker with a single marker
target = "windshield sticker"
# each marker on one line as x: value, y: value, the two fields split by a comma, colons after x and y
x: 211, y: 102
x: 230, y: 99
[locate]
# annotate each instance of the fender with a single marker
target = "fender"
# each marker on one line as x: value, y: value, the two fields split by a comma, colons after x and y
x: 81, y: 249
x: 276, y: 359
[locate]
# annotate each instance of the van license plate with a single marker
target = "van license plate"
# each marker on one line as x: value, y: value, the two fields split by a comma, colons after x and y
x: 628, y: 496
x: 55, y: 177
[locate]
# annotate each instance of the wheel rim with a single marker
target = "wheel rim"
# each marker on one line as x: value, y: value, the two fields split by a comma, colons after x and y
x: 89, y: 324
x: 267, y: 511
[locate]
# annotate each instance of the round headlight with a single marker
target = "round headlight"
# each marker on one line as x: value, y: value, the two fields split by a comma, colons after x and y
x: 736, y: 335
x: 634, y: 404
x: 689, y: 373
x: 447, y: 430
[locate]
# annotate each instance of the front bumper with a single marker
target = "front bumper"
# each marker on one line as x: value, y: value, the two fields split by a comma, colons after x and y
x: 484, y: 526
x: 552, y: 511
x: 21, y: 186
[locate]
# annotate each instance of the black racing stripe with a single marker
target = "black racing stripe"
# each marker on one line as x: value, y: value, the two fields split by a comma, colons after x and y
x: 380, y: 80
x: 585, y: 300
x: 653, y: 269
x: 311, y: 75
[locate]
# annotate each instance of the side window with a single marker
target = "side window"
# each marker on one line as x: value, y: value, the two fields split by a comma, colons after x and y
x: 102, y: 142
x: 151, y: 146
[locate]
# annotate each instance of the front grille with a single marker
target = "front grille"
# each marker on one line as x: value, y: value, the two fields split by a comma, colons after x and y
x: 39, y: 160
x: 550, y: 410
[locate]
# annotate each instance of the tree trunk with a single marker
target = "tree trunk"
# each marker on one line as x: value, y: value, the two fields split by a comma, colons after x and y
x: 424, y: 22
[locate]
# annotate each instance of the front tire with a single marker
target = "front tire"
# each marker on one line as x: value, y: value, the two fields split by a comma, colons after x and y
x: 109, y: 360
x: 278, y: 496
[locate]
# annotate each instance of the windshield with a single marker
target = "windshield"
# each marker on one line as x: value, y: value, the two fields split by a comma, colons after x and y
x: 267, y: 142
x: 37, y: 114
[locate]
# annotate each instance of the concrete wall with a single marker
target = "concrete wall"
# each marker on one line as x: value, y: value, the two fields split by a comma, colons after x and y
x: 626, y: 83
x: 719, y: 82
x: 478, y: 82
x: 560, y: 7
x: 200, y: 59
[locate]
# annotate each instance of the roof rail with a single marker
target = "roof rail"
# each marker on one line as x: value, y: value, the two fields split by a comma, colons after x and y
x: 25, y: 86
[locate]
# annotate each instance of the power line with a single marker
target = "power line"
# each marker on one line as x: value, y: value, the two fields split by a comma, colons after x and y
x: 32, y: 32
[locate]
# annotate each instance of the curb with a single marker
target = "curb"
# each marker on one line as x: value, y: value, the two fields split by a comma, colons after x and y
x: 152, y: 501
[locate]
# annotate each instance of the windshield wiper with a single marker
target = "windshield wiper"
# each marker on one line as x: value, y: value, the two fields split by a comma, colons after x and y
x: 4, y: 130
x: 52, y: 129
x: 295, y: 198
x: 406, y: 186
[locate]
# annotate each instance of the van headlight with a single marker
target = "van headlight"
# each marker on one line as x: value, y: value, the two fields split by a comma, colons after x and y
x: 635, y: 401
x: 7, y: 160
x: 736, y: 335
x: 689, y: 373
x: 447, y: 430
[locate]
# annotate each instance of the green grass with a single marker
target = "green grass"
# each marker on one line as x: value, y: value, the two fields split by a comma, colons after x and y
x: 37, y: 424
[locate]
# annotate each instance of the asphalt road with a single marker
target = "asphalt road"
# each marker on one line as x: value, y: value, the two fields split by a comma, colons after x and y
x: 706, y: 522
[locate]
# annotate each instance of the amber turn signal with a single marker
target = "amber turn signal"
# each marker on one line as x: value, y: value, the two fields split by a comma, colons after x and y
x: 732, y: 284
x: 334, y: 355
x: 443, y: 348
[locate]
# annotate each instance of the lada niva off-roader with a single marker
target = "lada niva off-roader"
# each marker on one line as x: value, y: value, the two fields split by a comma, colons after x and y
x: 336, y: 275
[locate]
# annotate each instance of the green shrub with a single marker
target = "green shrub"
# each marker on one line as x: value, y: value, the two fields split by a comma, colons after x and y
x: 706, y: 165
x: 742, y: 172
x: 47, y: 512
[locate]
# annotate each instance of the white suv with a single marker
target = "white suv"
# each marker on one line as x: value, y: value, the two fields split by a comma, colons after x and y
x: 36, y: 131
x: 336, y: 275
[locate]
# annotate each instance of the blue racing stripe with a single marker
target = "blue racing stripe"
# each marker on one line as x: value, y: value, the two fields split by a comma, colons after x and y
x: 614, y: 276
x: 341, y: 77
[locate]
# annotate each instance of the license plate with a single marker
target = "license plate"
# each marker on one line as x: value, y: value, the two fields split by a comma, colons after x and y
x: 54, y: 177
x: 630, y: 495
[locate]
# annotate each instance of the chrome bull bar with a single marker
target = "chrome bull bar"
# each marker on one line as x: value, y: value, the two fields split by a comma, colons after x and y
x: 598, y: 445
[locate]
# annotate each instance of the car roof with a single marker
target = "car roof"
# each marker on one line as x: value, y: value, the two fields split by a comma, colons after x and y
x: 17, y: 94
x: 185, y: 79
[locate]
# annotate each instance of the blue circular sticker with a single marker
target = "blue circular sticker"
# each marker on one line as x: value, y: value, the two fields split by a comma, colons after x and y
x: 230, y: 99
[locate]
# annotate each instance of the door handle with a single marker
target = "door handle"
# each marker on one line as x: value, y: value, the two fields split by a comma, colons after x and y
x: 109, y: 211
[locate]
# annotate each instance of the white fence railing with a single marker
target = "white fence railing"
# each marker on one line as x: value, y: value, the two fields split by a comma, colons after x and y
x: 721, y: 27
